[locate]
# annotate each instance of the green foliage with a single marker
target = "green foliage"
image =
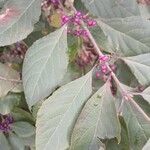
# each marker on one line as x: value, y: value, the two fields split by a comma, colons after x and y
x: 54, y: 98
x: 62, y: 109
x: 44, y: 54
x: 140, y: 66
x: 93, y: 121
x: 15, y: 27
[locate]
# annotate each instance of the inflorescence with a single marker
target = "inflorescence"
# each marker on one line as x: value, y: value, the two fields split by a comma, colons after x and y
x: 103, y: 70
x: 5, y: 123
x: 76, y: 21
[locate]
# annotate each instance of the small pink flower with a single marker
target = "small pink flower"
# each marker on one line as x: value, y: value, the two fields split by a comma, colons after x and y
x: 97, y: 74
x: 65, y: 19
x: 91, y: 23
x: 104, y: 58
x: 78, y: 14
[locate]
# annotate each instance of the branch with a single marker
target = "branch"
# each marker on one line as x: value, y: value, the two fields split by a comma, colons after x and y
x: 124, y: 93
x: 10, y: 80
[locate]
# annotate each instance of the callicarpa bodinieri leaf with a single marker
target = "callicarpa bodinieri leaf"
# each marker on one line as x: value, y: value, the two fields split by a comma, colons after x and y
x: 118, y: 9
x: 112, y: 8
x: 127, y: 36
x: 138, y: 124
x: 45, y: 65
x: 7, y: 103
x: 17, y: 19
x: 140, y: 67
x: 16, y: 142
x: 98, y: 120
x: 23, y: 129
x: 3, y: 142
x: 59, y: 112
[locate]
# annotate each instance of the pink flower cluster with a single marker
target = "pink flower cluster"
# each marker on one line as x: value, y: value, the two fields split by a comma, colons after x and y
x: 5, y: 123
x: 77, y: 20
x: 103, y: 67
x: 103, y: 60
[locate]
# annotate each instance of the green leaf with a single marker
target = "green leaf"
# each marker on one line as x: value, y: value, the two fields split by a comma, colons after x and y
x: 128, y: 36
x: 143, y: 104
x: 16, y: 142
x: 23, y: 129
x: 8, y: 102
x: 140, y: 67
x: 112, y: 8
x: 29, y: 141
x: 18, y: 22
x: 138, y: 124
x: 22, y: 115
x: 146, y: 94
x: 124, y: 73
x: 58, y: 113
x: 98, y: 120
x: 147, y: 145
x: 4, y: 145
x: 118, y: 8
x: 124, y: 143
x: 45, y: 65
x: 9, y: 80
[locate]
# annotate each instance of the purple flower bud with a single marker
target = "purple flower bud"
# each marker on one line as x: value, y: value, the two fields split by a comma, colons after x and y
x: 84, y: 33
x: 91, y: 23
x: 113, y: 67
x: 104, y: 58
x: 98, y: 74
x: 5, y: 123
x: 79, y: 15
x: 84, y: 17
x: 65, y: 19
x: 77, y: 21
x: 9, y: 119
x: 94, y: 23
x: 104, y: 69
x: 77, y: 32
